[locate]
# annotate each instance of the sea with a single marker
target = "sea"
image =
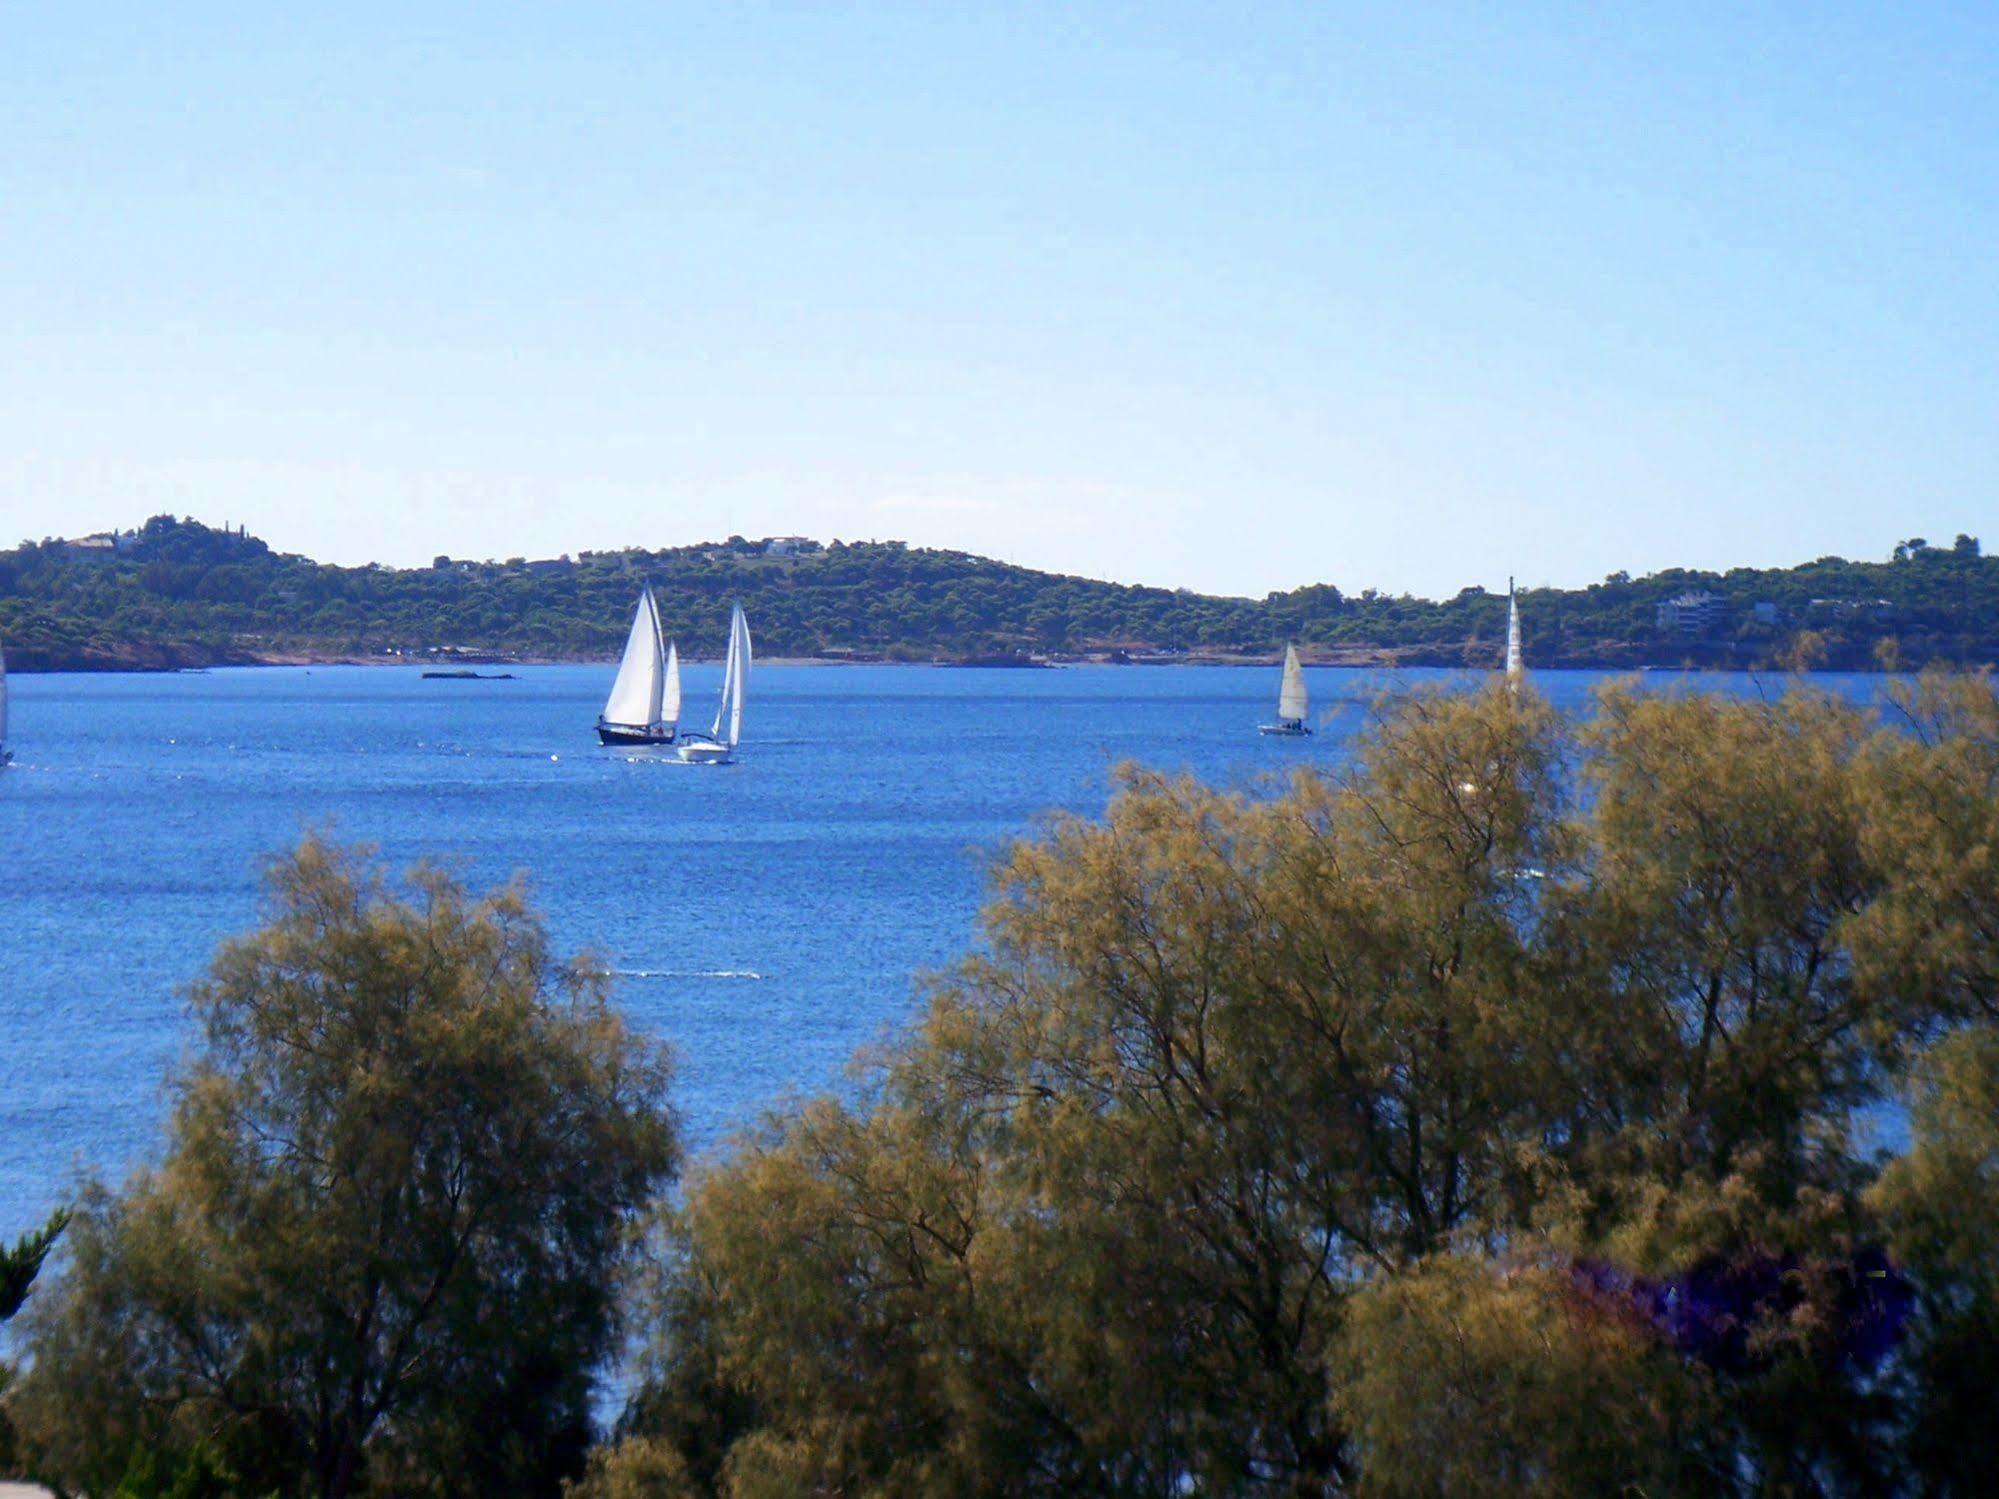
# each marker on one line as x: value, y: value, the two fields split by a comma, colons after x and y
x: 770, y: 918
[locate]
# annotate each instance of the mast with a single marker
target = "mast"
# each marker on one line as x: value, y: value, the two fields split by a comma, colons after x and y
x: 3, y: 702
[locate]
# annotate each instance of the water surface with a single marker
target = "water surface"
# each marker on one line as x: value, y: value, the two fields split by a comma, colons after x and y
x: 767, y: 917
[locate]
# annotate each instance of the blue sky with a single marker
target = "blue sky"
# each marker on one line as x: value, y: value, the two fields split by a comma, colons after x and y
x: 1237, y: 298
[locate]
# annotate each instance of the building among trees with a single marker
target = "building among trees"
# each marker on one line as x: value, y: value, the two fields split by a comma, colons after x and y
x: 1692, y: 614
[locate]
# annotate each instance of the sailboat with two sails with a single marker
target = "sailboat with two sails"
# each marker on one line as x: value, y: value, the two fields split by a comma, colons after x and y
x: 1291, y: 702
x: 718, y: 745
x: 644, y: 705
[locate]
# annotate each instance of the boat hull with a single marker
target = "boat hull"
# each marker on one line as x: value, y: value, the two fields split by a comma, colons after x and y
x: 1284, y: 730
x: 705, y: 752
x: 611, y: 733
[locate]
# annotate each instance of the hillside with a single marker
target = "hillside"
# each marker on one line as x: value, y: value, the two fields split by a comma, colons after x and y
x: 179, y: 593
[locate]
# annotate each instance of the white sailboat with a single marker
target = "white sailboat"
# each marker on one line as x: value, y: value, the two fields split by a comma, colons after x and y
x: 1516, y: 661
x: 5, y: 753
x: 1291, y: 701
x: 719, y: 743
x: 644, y: 705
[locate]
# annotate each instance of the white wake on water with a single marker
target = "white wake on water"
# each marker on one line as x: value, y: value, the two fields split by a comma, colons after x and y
x: 682, y: 973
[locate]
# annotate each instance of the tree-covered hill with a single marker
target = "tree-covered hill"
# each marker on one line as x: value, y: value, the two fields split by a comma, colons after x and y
x: 176, y: 592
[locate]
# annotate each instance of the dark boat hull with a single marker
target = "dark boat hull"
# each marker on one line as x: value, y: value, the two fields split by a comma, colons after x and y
x: 609, y: 733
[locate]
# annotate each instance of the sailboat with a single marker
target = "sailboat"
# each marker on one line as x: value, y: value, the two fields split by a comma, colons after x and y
x: 1291, y: 706
x: 5, y: 753
x: 717, y: 746
x: 1516, y: 661
x: 644, y: 705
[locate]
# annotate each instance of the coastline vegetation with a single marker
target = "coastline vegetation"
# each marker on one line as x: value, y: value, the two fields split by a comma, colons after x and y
x: 178, y: 593
x: 1503, y: 1115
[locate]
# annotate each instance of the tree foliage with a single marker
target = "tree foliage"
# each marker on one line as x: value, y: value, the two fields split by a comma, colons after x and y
x: 380, y: 1253
x: 1941, y: 1206
x: 1457, y: 1379
x: 19, y: 1266
x: 1489, y: 1118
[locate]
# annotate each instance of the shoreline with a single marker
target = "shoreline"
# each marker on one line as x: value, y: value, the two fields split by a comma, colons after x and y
x: 175, y: 662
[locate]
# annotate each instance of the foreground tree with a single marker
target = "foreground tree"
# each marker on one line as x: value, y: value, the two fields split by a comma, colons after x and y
x: 1368, y: 1137
x: 18, y: 1268
x: 21, y: 1264
x: 1458, y: 1379
x: 1941, y: 1206
x: 381, y: 1251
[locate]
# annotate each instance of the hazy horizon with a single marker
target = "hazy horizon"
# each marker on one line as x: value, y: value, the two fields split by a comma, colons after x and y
x: 1407, y: 299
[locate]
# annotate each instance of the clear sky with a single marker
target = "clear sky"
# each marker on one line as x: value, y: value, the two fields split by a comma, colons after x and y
x: 1235, y: 297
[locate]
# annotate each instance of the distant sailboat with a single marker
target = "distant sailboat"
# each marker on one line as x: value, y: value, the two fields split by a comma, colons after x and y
x: 5, y: 753
x: 644, y: 705
x: 1291, y: 704
x: 719, y: 743
x: 1516, y: 662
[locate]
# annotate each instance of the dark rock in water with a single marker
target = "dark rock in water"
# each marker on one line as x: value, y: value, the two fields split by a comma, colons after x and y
x: 470, y: 676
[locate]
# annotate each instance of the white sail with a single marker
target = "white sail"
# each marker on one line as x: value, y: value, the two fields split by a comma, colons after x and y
x: 739, y: 649
x: 635, y: 695
x: 1516, y: 662
x: 728, y: 683
x: 669, y: 708
x: 1291, y: 693
x: 735, y: 680
x: 656, y: 684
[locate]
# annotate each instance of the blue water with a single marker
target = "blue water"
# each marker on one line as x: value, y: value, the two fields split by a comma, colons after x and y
x: 767, y: 917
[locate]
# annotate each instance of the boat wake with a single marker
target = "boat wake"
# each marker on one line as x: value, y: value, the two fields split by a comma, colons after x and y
x: 684, y: 973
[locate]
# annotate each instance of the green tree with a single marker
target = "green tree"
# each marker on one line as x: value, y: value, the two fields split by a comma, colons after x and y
x: 1933, y: 816
x: 1459, y: 1379
x: 21, y: 1264
x: 380, y: 1252
x: 1941, y: 1205
x: 1368, y: 1136
x: 18, y: 1268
